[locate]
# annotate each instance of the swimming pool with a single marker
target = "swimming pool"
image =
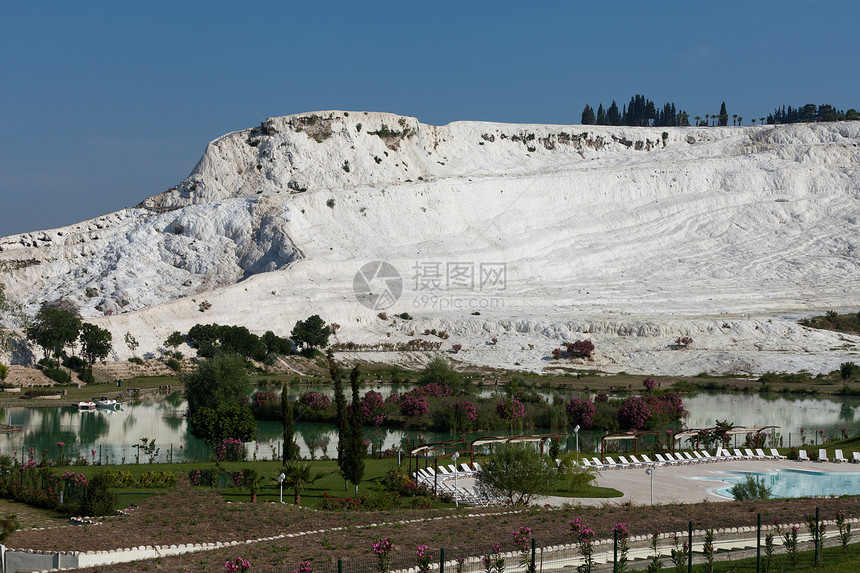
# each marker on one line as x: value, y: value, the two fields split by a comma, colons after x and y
x: 793, y: 483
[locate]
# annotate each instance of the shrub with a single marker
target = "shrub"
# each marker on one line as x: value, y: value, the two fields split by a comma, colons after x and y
x: 633, y: 413
x: 413, y: 406
x: 752, y: 488
x: 580, y: 412
x: 174, y: 364
x: 99, y: 500
x: 136, y: 360
x: 330, y: 203
x: 57, y: 375
x: 372, y: 408
x: 581, y: 348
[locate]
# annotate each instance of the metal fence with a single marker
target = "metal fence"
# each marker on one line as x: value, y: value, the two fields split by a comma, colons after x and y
x: 744, y: 547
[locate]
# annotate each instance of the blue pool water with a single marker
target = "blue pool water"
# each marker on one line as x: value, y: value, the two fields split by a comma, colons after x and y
x: 795, y: 483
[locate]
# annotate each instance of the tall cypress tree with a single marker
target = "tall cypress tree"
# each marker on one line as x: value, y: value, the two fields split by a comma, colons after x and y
x: 342, y: 424
x: 289, y: 452
x: 612, y: 115
x: 601, y: 115
x: 355, y: 470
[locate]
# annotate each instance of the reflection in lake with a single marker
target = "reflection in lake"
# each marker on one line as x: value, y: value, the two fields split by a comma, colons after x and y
x: 114, y: 434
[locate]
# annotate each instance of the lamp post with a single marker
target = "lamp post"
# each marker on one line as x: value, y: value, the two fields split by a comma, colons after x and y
x: 281, y: 479
x: 576, y: 431
x: 650, y: 472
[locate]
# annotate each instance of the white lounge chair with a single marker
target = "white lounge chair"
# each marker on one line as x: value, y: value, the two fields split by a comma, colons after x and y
x: 750, y: 455
x: 587, y: 464
x: 630, y: 464
x: 702, y: 459
x: 723, y: 454
x: 855, y: 457
x: 691, y: 459
x: 776, y: 454
x: 802, y: 456
x: 635, y: 460
x: 464, y: 467
x: 665, y: 460
x: 452, y: 469
x: 617, y: 465
x: 678, y: 458
x: 443, y: 472
x: 598, y: 464
x: 648, y: 461
x: 838, y: 457
x: 822, y: 455
x: 708, y: 457
x: 763, y: 456
x: 740, y: 456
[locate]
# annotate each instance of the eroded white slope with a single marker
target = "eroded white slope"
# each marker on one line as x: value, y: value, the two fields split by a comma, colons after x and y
x: 618, y: 234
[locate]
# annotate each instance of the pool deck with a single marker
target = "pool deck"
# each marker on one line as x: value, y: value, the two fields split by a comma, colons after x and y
x: 674, y: 484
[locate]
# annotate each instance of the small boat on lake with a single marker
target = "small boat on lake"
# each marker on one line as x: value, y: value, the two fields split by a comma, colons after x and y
x: 107, y: 403
x: 87, y: 405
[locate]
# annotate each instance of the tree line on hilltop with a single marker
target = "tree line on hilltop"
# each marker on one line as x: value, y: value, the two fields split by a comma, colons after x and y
x: 642, y: 112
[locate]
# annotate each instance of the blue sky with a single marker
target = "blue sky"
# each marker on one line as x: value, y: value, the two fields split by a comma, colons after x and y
x: 105, y: 103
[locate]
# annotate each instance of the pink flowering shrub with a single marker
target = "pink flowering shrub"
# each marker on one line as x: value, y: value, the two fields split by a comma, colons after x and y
x: 581, y: 348
x: 315, y: 401
x: 372, y: 408
x: 304, y: 567
x: 424, y: 558
x: 433, y: 390
x: 467, y: 409
x: 382, y: 549
x: 633, y: 413
x: 413, y: 406
x: 510, y: 409
x: 238, y: 565
x: 230, y: 450
x: 649, y: 384
x: 580, y: 412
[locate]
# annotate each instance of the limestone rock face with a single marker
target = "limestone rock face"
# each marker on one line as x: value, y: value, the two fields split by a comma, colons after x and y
x: 613, y: 233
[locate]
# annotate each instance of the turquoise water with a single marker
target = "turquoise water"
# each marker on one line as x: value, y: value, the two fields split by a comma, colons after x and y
x: 796, y: 483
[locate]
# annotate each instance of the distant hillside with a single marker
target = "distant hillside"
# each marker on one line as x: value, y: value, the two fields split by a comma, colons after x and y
x: 586, y: 231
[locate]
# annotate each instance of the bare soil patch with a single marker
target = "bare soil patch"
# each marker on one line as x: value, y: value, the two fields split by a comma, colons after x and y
x: 192, y: 515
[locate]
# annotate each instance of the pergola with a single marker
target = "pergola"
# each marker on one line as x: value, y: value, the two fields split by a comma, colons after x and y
x: 622, y: 437
x: 533, y: 438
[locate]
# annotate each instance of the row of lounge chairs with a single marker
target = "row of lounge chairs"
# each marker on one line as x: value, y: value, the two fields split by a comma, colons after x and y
x: 822, y: 456
x: 680, y: 458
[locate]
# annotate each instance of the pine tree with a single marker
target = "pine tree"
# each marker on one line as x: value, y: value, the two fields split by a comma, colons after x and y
x: 588, y: 115
x: 612, y: 115
x: 723, y: 117
x: 601, y: 115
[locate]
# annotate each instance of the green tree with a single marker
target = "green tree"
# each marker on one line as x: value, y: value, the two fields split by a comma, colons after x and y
x: 252, y: 480
x: 588, y: 117
x: 440, y: 371
x: 723, y: 117
x: 95, y: 343
x: 99, y: 499
x: 517, y: 473
x: 8, y: 525
x: 353, y: 468
x: 4, y: 372
x: 846, y: 370
x: 175, y: 340
x: 218, y: 381
x: 213, y: 425
x: 131, y: 342
x: 54, y: 329
x: 340, y: 409
x: 311, y: 333
x: 298, y: 477
x: 289, y: 452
